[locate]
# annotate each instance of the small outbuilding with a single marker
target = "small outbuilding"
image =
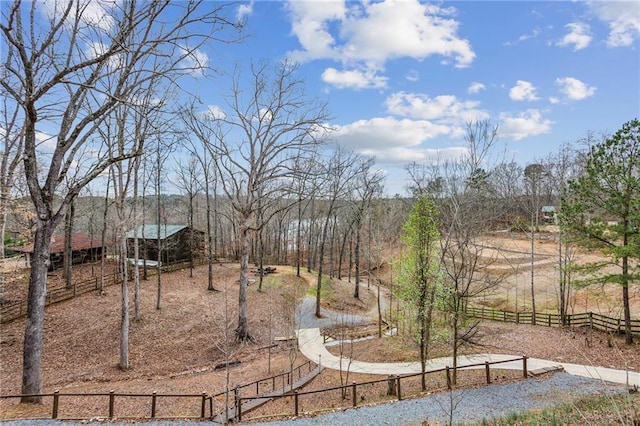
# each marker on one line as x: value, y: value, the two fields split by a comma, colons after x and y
x: 548, y: 214
x: 176, y: 242
x: 84, y: 249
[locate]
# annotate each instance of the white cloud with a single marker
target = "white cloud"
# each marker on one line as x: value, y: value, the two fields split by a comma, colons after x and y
x: 214, y: 112
x: 389, y: 132
x: 443, y: 108
x: 401, y: 156
x: 413, y: 75
x: 553, y: 100
x: 95, y: 13
x: 523, y: 91
x: 195, y: 61
x: 574, y: 89
x: 524, y: 37
x: 623, y: 18
x: 395, y: 141
x: 475, y: 87
x: 45, y: 141
x: 310, y: 24
x: 535, y: 33
x: 578, y: 36
x: 353, y: 79
x: 527, y: 123
x: 369, y: 34
x: 244, y: 10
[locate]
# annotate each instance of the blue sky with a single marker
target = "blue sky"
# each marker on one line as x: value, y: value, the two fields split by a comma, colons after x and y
x: 403, y: 77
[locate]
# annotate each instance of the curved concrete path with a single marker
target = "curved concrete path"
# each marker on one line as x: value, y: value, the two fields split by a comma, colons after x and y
x: 311, y: 344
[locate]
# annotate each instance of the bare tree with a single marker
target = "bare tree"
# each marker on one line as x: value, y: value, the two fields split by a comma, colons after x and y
x: 562, y: 167
x: 263, y: 129
x: 188, y: 179
x: 466, y: 214
x: 338, y: 174
x: 369, y: 183
x: 10, y: 160
x: 533, y: 174
x: 204, y: 135
x: 69, y: 68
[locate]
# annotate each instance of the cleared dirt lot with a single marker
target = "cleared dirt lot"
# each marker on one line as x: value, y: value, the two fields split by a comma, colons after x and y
x: 511, y: 255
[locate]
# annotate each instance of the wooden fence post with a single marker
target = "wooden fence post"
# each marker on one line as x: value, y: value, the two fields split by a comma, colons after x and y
x: 204, y: 404
x: 353, y: 394
x: 54, y: 411
x: 391, y: 385
x: 399, y: 390
x: 154, y: 396
x: 448, y: 378
x: 295, y: 402
x: 524, y: 366
x: 112, y: 397
x: 487, y: 372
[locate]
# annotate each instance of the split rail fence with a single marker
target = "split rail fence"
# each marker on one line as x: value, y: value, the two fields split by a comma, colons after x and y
x: 349, y: 392
x: 586, y: 319
x: 10, y: 311
x: 149, y: 406
x: 208, y: 406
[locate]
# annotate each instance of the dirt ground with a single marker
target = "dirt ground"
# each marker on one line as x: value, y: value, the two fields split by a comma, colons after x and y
x: 176, y: 349
x: 511, y: 254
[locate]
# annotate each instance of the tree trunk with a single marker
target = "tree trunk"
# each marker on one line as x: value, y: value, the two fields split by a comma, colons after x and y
x: 625, y: 292
x: 533, y: 293
x: 356, y: 256
x: 242, y: 331
x: 103, y: 236
x: 136, y: 245
x: 320, y: 263
x: 34, y: 324
x: 68, y: 245
x: 124, y: 312
x: 298, y: 238
x: 210, y: 242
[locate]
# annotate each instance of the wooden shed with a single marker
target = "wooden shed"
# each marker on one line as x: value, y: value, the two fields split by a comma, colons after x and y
x: 175, y: 242
x: 84, y: 249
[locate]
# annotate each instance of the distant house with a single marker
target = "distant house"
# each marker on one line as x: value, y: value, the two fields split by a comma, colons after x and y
x: 175, y: 242
x: 83, y: 250
x: 548, y: 214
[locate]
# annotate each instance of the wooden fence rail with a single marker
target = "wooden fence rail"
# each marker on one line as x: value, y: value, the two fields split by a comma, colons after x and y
x: 352, y: 388
x: 205, y: 401
x: 10, y: 311
x: 112, y: 397
x: 585, y: 319
x: 285, y: 379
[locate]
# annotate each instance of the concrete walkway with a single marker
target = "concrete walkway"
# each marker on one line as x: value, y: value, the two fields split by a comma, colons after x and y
x: 311, y: 344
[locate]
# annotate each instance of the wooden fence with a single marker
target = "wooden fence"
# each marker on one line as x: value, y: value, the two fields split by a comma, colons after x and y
x: 586, y: 319
x: 352, y: 388
x: 203, y: 408
x: 153, y: 399
x: 10, y: 311
x: 151, y: 408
